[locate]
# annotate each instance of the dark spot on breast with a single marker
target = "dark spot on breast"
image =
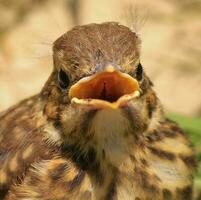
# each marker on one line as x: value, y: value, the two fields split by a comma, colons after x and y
x: 145, y: 180
x: 167, y: 195
x: 177, y: 129
x: 84, y: 160
x: 91, y: 155
x: 97, y: 173
x: 3, y: 192
x: 173, y: 126
x: 144, y: 162
x: 189, y: 160
x: 151, y: 188
x: 57, y: 124
x: 162, y: 154
x: 184, y: 193
x: 76, y: 154
x: 155, y: 136
x: 103, y: 153
x: 133, y: 159
x: 150, y: 107
x: 170, y: 134
x: 144, y: 86
x: 34, y: 180
x: 160, y: 134
x: 58, y: 172
x: 133, y: 116
x: 111, y: 191
x: 77, y: 180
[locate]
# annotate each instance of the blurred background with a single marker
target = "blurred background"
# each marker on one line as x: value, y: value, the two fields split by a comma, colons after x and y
x: 171, y: 48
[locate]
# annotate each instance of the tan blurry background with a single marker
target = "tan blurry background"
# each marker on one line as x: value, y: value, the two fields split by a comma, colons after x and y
x: 171, y: 44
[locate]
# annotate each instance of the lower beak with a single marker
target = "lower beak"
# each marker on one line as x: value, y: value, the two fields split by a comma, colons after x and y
x: 107, y: 89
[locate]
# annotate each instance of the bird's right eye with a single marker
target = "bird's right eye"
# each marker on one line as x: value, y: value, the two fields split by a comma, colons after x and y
x: 139, y: 71
x: 63, y: 79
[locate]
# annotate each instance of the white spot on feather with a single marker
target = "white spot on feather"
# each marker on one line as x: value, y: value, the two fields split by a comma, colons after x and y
x: 52, y: 135
x: 13, y: 163
x: 27, y: 152
x: 3, y: 177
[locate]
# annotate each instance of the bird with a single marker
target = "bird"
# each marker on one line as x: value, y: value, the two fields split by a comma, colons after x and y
x: 96, y: 130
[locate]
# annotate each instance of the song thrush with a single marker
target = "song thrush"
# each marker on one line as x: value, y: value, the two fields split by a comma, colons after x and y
x: 96, y: 130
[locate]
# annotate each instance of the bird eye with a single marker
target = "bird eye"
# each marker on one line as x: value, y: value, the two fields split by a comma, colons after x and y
x: 139, y: 71
x: 63, y: 79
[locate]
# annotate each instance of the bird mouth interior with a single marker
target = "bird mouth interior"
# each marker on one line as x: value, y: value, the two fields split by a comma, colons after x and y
x: 104, y: 89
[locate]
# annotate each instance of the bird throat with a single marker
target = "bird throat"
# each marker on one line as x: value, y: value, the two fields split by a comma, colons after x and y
x: 111, y: 128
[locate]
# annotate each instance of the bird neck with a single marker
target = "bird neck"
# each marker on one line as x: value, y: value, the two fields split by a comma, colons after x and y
x: 117, y: 153
x: 102, y: 143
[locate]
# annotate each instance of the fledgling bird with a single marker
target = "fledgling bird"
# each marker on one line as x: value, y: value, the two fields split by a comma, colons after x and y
x: 97, y: 130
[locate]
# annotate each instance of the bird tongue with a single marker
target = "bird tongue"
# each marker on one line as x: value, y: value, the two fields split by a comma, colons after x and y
x: 107, y: 93
x: 105, y: 89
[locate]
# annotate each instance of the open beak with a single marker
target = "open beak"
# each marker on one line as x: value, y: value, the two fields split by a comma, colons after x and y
x: 106, y: 89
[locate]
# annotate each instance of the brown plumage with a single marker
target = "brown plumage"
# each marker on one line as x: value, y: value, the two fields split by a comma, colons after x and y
x: 104, y: 137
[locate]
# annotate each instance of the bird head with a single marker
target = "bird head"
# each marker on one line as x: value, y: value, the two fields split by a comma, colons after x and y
x: 99, y: 92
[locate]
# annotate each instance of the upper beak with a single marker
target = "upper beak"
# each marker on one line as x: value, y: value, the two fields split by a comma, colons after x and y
x: 106, y: 89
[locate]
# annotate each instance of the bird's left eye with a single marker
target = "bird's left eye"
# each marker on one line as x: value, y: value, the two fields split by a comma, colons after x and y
x: 139, y: 71
x: 63, y: 79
